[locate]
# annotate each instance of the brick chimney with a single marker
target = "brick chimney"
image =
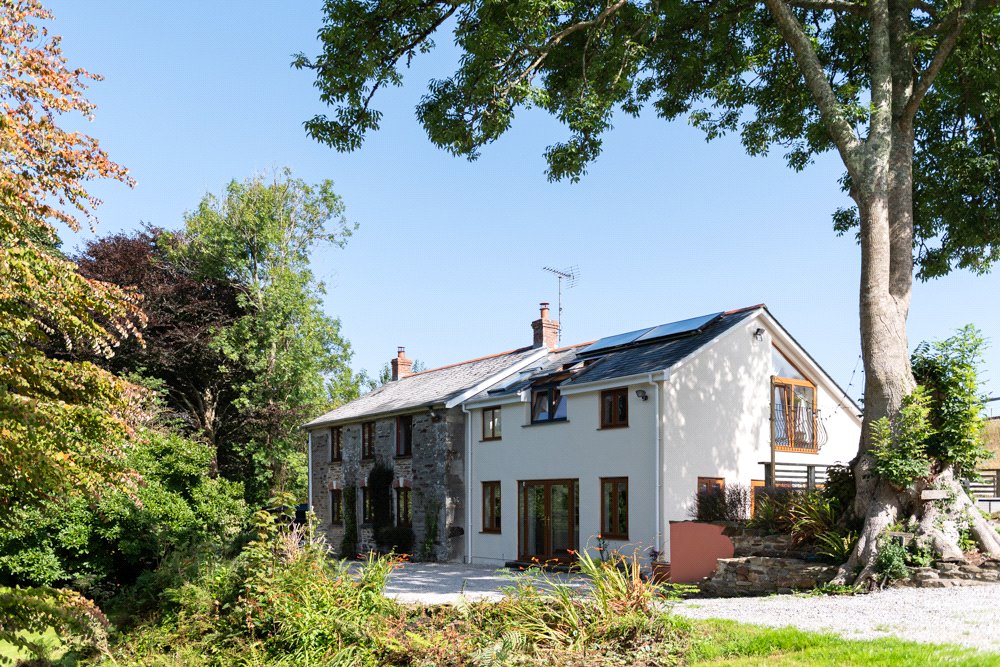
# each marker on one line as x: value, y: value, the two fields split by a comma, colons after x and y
x: 546, y: 331
x: 401, y: 366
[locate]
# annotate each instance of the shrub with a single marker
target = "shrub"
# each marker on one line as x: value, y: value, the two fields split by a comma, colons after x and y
x: 835, y: 545
x: 397, y: 539
x: 729, y: 504
x: 811, y: 515
x: 891, y: 561
x: 840, y: 485
x: 898, y: 447
x: 771, y: 509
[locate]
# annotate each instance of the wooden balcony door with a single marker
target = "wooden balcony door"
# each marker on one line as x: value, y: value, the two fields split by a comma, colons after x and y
x: 549, y: 520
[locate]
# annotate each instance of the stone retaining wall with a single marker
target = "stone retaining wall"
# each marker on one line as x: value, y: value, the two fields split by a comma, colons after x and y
x: 757, y: 575
x: 757, y: 542
x: 944, y: 575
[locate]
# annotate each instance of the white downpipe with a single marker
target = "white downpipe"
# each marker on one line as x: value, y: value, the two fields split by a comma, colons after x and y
x: 656, y: 464
x: 468, y: 484
x: 309, y: 476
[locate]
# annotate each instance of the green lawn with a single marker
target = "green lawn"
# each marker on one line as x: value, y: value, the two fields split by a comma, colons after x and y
x: 729, y: 643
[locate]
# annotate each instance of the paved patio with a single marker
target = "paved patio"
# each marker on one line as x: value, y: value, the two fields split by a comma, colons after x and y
x: 445, y: 583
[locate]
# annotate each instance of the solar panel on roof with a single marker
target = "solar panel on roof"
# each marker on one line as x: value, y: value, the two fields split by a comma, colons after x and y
x: 676, y: 328
x: 615, y: 341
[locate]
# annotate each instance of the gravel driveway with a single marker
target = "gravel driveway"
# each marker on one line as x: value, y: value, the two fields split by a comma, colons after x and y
x: 967, y: 615
x: 444, y: 583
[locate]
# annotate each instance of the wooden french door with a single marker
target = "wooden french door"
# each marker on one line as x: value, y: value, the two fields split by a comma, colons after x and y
x: 549, y: 519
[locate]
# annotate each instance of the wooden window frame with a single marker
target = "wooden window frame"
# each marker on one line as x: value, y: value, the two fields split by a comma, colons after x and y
x: 401, y: 492
x: 551, y: 392
x: 336, y: 507
x: 495, y: 433
x: 367, y: 441
x: 792, y: 382
x: 491, y: 494
x: 705, y: 483
x: 336, y: 445
x: 400, y: 430
x: 614, y: 532
x: 614, y: 394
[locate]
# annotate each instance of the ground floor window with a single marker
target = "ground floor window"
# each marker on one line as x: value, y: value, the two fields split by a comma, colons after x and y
x: 614, y: 508
x: 491, y: 507
x: 336, y: 507
x: 404, y: 510
x: 367, y: 508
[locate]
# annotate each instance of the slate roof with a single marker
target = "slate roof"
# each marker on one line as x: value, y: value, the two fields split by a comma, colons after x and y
x: 424, y: 389
x: 631, y: 359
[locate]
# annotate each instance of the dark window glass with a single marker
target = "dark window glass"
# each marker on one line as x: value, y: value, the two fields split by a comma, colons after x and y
x: 368, y: 440
x: 547, y: 405
x: 404, y: 510
x: 404, y: 435
x: 614, y: 508
x: 336, y: 507
x: 368, y: 512
x: 614, y: 408
x: 336, y: 445
x: 491, y: 507
x: 491, y: 424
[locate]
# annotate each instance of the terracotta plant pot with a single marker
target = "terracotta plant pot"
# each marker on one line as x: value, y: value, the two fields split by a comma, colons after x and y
x: 661, y: 572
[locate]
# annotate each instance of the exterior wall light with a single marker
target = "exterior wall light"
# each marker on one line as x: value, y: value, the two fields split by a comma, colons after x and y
x: 641, y: 393
x: 758, y: 333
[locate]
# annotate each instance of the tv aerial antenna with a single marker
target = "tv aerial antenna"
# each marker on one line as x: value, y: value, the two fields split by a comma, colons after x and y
x: 571, y: 275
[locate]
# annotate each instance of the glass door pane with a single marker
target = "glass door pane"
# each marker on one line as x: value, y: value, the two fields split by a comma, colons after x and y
x: 534, y: 521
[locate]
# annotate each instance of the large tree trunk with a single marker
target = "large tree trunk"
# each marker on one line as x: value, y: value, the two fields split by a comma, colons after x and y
x: 885, y: 201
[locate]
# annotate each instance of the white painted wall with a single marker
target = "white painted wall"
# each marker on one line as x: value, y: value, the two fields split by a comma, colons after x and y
x: 574, y: 449
x: 717, y: 416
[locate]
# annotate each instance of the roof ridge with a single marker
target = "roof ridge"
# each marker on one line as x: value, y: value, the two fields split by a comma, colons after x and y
x: 743, y: 310
x: 468, y: 361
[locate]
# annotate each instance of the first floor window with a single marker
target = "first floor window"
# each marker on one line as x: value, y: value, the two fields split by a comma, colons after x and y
x: 336, y: 507
x: 404, y: 510
x: 491, y: 423
x: 368, y: 440
x: 404, y: 436
x: 491, y: 507
x: 336, y: 444
x: 547, y: 405
x: 614, y: 508
x: 614, y: 408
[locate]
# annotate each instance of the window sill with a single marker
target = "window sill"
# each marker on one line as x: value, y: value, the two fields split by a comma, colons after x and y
x: 403, y: 456
x: 615, y: 538
x: 490, y: 532
x: 491, y: 439
x: 545, y: 423
x: 612, y: 427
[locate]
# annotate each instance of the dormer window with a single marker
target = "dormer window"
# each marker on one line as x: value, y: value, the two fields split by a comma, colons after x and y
x: 547, y: 405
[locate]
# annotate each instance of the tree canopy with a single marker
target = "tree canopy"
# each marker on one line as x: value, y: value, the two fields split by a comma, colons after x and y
x: 64, y: 425
x: 795, y: 76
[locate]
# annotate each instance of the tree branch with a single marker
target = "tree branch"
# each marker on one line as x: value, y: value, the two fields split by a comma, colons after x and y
x: 554, y: 41
x: 819, y: 86
x: 831, y: 5
x: 954, y: 24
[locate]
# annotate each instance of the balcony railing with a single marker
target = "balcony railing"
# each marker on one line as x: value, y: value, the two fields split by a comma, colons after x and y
x: 798, y: 429
x: 806, y: 476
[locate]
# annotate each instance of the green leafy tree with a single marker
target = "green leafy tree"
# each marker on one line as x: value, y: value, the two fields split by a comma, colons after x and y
x: 293, y: 360
x: 904, y: 90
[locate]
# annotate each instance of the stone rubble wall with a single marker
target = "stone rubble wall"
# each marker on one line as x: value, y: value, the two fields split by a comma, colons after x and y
x: 757, y: 542
x: 434, y: 473
x: 945, y: 575
x: 760, y: 575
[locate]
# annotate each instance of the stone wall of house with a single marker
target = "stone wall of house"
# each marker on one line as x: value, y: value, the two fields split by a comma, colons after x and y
x: 757, y: 575
x: 434, y: 473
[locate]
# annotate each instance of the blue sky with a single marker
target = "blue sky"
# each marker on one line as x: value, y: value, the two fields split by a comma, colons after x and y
x: 448, y: 254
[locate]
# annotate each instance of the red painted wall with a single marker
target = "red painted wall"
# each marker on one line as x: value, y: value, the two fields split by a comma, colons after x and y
x: 694, y: 548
